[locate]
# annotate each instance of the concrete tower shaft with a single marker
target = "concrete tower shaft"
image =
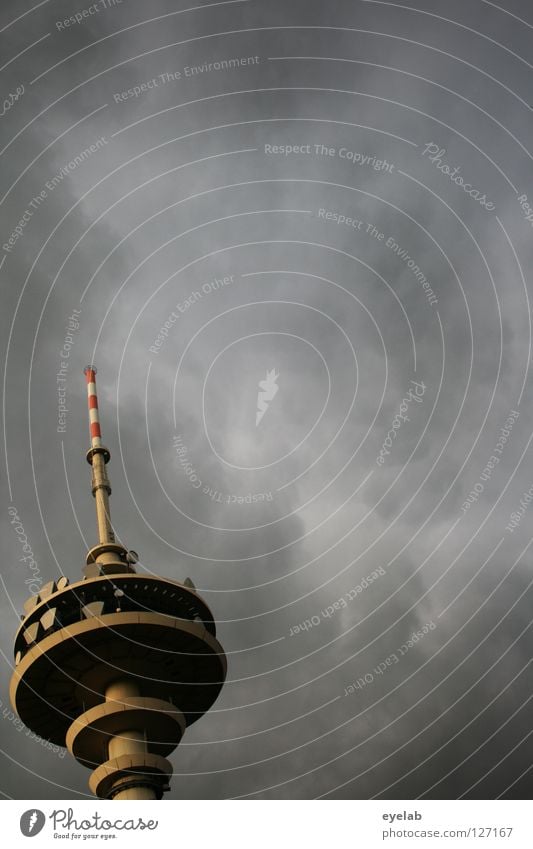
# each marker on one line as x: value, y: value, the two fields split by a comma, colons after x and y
x: 117, y: 665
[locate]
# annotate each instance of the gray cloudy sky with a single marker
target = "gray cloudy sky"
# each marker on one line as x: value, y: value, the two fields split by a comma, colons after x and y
x: 412, y: 123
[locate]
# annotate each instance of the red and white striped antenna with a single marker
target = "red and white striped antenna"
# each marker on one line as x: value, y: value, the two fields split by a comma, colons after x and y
x: 109, y: 556
x: 92, y: 399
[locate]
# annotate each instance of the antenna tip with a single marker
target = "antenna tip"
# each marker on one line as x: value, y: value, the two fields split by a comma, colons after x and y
x: 89, y: 368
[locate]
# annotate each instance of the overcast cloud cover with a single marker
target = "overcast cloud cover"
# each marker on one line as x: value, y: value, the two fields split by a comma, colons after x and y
x: 190, y: 182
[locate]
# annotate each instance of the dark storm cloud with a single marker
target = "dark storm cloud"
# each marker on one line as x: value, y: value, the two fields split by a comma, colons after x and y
x: 283, y: 727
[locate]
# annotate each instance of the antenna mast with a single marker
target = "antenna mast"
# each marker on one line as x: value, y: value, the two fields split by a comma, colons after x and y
x: 108, y: 557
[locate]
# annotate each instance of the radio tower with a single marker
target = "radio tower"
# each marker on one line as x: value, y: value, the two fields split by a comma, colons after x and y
x: 115, y: 666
